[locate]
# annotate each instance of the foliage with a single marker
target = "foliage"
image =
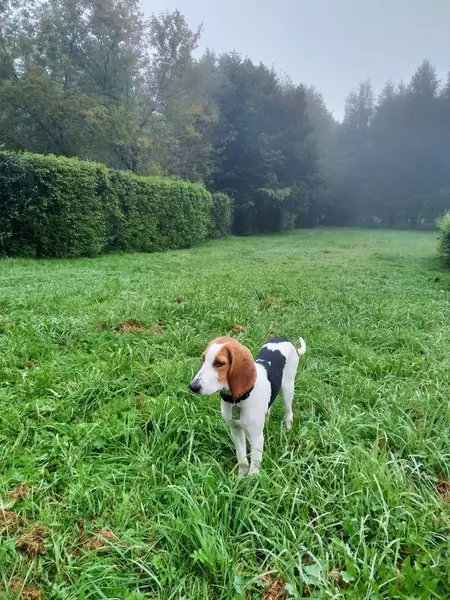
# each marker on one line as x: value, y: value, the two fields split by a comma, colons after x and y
x: 55, y: 206
x: 222, y: 215
x: 263, y: 143
x: 131, y: 477
x: 161, y: 213
x: 395, y: 153
x: 97, y: 80
x: 100, y: 82
x: 443, y: 224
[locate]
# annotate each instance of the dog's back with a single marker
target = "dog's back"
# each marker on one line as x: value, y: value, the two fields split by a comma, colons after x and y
x: 279, y: 357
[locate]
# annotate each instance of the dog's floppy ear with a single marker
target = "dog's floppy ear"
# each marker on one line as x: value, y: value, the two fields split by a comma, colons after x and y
x: 242, y: 373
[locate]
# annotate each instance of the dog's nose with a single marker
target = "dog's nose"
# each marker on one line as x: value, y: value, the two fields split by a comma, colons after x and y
x: 195, y: 386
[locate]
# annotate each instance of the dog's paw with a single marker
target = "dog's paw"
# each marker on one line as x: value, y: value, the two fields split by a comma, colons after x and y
x: 243, y: 470
x: 253, y: 472
x: 289, y: 422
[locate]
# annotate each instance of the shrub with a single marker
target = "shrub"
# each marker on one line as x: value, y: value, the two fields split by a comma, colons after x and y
x: 222, y: 215
x: 158, y: 213
x: 59, y: 207
x: 52, y: 206
x: 443, y: 224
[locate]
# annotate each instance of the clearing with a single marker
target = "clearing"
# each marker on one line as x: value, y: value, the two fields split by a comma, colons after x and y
x: 116, y: 482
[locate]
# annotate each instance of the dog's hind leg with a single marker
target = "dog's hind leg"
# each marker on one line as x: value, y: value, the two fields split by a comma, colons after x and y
x: 287, y: 392
x: 288, y: 385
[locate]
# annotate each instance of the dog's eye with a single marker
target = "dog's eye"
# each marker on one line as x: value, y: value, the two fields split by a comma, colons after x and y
x: 218, y: 364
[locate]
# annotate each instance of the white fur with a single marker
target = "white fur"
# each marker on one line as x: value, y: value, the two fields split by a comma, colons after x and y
x: 253, y: 410
x: 207, y: 377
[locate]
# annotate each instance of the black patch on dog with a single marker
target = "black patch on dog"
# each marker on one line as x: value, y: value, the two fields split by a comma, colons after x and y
x: 273, y: 361
x: 228, y: 398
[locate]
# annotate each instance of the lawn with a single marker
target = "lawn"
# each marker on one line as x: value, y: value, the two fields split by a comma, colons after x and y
x: 116, y: 482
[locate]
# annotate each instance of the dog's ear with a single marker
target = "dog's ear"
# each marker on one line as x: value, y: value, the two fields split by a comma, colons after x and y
x: 242, y: 371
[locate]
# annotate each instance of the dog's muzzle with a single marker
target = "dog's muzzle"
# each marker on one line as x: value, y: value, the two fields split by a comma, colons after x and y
x: 195, y: 386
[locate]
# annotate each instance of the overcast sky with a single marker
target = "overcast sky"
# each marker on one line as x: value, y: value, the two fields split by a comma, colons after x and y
x: 332, y: 44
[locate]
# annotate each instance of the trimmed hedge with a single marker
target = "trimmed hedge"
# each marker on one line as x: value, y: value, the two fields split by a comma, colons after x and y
x: 158, y: 213
x: 444, y: 240
x: 64, y: 207
x: 222, y: 215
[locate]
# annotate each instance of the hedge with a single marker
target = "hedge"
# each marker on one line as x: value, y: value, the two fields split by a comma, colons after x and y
x: 64, y: 207
x: 444, y: 239
x: 158, y: 213
x: 222, y: 215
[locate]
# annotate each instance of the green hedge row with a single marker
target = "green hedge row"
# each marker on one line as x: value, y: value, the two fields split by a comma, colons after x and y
x: 444, y: 239
x: 63, y: 207
x: 222, y: 215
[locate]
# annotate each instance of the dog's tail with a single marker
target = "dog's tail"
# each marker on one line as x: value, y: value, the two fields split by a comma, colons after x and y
x: 301, y: 351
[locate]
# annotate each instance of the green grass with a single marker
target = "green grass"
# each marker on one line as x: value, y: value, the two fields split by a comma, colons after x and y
x: 113, y: 448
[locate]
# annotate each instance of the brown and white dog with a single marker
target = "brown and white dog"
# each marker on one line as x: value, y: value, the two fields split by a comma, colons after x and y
x: 228, y: 368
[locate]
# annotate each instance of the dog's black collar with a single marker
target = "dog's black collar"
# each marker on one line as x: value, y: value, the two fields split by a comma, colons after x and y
x: 231, y: 400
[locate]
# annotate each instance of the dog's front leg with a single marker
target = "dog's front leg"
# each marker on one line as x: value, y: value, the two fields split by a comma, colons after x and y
x: 256, y: 439
x: 238, y: 435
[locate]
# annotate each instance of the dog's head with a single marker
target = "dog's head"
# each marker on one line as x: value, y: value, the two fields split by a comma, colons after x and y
x: 228, y: 366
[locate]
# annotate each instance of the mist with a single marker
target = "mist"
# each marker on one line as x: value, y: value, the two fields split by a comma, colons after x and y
x: 330, y: 44
x: 302, y: 113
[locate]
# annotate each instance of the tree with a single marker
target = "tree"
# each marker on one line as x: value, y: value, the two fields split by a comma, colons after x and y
x: 264, y: 155
x: 94, y: 79
x: 398, y: 152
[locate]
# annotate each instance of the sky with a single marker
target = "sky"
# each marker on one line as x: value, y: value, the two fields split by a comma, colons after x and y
x: 331, y: 44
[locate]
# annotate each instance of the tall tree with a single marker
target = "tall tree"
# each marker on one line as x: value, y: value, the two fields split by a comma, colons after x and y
x: 265, y: 156
x: 398, y: 151
x: 94, y: 79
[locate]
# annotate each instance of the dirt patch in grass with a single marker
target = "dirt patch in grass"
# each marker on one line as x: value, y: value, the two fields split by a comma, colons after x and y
x: 276, y: 589
x: 135, y: 327
x: 9, y: 520
x: 32, y: 542
x: 20, y: 492
x: 100, y: 539
x: 26, y: 593
x: 267, y: 302
x: 336, y: 576
x: 140, y: 403
x: 236, y: 328
x: 130, y: 325
x: 443, y: 488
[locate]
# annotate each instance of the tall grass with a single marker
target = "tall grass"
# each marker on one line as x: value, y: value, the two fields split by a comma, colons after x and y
x: 117, y: 483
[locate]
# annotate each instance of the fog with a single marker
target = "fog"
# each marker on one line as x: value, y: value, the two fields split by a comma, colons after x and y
x: 340, y: 115
x: 332, y: 44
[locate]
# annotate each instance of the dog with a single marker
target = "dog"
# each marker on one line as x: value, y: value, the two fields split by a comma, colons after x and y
x: 228, y: 367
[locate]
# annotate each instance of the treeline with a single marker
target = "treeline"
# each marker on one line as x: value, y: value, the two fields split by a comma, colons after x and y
x: 395, y: 154
x: 94, y: 79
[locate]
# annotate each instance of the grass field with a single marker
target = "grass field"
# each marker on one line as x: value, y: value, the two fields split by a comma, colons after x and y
x: 116, y: 482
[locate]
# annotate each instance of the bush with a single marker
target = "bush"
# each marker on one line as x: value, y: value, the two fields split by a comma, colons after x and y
x: 444, y: 240
x: 52, y: 206
x: 158, y: 213
x: 221, y: 216
x: 59, y: 207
